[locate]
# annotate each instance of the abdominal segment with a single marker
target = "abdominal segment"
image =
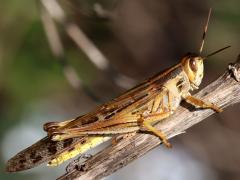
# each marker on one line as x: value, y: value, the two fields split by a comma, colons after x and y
x: 77, y: 149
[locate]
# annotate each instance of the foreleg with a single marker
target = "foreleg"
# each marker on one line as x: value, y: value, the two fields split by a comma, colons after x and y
x: 202, y: 104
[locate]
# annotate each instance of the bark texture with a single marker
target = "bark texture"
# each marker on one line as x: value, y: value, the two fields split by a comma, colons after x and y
x: 224, y: 92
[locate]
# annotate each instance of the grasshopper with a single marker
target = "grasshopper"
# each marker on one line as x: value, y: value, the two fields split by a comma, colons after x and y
x: 137, y: 110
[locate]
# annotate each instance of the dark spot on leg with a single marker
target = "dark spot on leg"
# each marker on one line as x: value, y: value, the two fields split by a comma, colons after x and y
x: 67, y: 143
x: 22, y: 161
x: 83, y: 141
x: 37, y: 159
x: 33, y: 154
x: 21, y: 166
x: 52, y: 149
x: 72, y: 148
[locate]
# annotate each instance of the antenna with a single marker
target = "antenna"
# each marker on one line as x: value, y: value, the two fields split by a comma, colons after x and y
x: 215, y: 52
x: 205, y: 31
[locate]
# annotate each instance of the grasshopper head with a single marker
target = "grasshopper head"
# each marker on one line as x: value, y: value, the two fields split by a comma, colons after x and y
x: 193, y: 66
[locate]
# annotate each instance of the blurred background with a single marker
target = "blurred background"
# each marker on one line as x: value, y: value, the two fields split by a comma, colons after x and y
x: 60, y: 59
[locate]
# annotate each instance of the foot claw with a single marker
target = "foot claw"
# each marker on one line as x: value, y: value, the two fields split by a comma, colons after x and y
x: 216, y: 108
x: 167, y: 144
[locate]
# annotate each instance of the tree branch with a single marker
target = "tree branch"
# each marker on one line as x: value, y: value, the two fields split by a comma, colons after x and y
x: 225, y: 91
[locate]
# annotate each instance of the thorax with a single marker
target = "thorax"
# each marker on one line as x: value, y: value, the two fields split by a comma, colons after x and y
x: 175, y: 89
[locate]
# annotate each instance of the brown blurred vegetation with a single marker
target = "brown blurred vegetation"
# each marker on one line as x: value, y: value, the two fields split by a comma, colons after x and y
x: 139, y: 38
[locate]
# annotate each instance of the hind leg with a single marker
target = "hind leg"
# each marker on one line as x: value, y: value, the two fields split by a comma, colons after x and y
x: 147, y: 122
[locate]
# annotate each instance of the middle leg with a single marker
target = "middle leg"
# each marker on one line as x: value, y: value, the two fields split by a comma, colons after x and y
x: 147, y: 122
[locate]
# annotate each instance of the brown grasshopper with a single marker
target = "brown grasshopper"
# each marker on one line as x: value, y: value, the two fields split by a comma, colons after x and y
x: 137, y: 110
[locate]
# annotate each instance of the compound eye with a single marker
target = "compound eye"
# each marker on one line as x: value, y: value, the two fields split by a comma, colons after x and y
x: 193, y: 64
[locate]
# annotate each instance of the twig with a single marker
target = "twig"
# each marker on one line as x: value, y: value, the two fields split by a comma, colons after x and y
x: 86, y: 45
x: 57, y: 49
x: 225, y: 91
x: 101, y: 12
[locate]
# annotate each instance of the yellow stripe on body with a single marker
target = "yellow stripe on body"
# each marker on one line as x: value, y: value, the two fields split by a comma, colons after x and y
x: 79, y: 148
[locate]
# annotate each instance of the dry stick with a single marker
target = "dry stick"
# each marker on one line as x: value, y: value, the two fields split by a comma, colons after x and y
x: 225, y: 91
x: 76, y: 34
x: 86, y: 45
x: 57, y: 49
